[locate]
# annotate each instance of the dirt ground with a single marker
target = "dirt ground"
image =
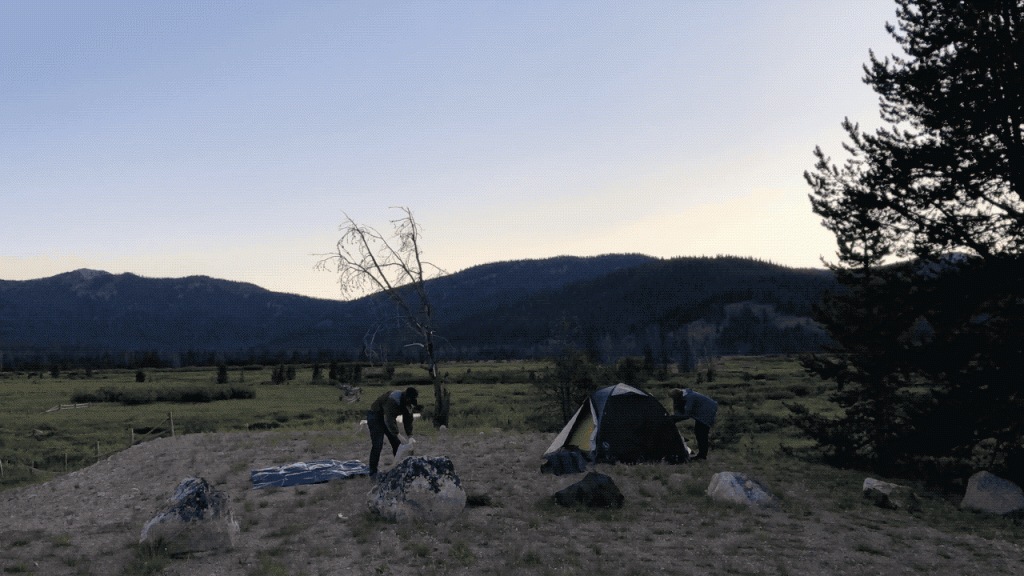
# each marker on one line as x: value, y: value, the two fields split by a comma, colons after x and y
x: 89, y: 521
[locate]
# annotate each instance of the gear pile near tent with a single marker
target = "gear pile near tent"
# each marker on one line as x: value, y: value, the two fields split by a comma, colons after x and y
x: 621, y: 423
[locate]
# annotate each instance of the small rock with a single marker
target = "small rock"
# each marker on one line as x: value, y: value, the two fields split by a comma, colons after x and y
x: 740, y: 489
x: 890, y: 496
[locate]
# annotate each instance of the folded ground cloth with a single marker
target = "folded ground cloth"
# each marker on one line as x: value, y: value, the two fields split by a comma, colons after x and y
x: 307, y: 473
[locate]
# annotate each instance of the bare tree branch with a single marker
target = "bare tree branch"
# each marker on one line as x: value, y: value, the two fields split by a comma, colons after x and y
x: 393, y: 271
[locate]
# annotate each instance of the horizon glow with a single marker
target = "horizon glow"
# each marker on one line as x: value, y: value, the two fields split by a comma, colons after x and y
x: 170, y: 139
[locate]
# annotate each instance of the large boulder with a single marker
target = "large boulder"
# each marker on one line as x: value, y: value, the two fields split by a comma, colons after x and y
x: 195, y: 519
x: 418, y: 488
x: 990, y: 493
x: 739, y: 489
x: 595, y: 490
x: 890, y: 496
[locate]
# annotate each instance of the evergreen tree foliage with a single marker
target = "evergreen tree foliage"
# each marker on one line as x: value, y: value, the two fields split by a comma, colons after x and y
x: 278, y: 376
x: 947, y: 175
x: 930, y: 369
x: 633, y: 371
x: 576, y: 375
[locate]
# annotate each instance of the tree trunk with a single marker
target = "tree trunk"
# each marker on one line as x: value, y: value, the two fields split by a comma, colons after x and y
x: 442, y: 402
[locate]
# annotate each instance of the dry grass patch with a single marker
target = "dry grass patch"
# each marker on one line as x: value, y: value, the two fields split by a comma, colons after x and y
x: 511, y: 525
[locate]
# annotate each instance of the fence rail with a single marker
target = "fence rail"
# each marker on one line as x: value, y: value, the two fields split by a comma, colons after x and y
x: 153, y: 431
x: 68, y: 407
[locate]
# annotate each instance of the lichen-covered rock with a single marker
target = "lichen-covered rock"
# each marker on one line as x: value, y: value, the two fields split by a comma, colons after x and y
x: 990, y: 493
x: 740, y: 489
x: 418, y: 488
x: 195, y: 519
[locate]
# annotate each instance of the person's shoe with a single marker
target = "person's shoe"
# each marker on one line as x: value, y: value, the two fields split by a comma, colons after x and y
x: 700, y: 458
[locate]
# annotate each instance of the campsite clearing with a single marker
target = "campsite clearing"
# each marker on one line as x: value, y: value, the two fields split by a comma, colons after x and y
x: 88, y: 522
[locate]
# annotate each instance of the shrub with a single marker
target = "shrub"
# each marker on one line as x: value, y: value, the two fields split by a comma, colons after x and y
x: 182, y: 394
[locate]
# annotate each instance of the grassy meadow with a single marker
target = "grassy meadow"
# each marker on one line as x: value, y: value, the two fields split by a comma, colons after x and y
x: 36, y: 443
x: 510, y: 526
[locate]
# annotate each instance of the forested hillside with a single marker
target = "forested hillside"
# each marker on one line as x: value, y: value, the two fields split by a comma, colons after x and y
x: 709, y: 305
x: 617, y: 305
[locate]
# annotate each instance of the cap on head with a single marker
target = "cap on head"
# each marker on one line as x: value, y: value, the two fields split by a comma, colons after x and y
x: 412, y: 396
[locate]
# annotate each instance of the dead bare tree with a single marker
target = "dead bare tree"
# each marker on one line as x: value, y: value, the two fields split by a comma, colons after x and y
x: 392, y: 270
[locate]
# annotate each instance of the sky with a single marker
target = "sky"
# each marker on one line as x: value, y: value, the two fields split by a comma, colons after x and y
x: 231, y: 139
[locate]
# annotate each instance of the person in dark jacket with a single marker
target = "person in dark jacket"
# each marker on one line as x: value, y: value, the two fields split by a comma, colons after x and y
x: 382, y: 421
x: 688, y: 404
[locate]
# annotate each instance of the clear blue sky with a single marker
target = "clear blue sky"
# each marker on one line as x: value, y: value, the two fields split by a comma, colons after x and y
x: 226, y: 138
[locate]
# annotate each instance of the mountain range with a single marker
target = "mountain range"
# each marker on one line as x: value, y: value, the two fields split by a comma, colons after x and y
x: 618, y: 304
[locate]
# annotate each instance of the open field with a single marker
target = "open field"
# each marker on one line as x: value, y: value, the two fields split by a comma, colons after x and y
x: 87, y: 521
x: 35, y: 443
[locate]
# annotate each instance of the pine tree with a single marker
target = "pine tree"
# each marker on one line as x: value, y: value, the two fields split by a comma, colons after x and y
x: 947, y: 175
x: 930, y: 365
x: 278, y: 374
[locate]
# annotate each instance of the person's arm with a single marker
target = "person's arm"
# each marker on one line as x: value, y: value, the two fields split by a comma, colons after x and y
x: 391, y: 412
x: 407, y: 423
x: 682, y: 409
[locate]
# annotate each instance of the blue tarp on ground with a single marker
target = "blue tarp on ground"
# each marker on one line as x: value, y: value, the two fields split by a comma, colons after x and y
x: 307, y: 473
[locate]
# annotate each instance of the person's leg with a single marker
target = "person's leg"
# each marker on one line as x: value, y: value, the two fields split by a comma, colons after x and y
x: 701, y: 431
x: 377, y: 432
x: 395, y: 442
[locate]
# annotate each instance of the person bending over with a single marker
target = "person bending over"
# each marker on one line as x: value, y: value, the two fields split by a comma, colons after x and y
x: 688, y: 404
x: 382, y: 422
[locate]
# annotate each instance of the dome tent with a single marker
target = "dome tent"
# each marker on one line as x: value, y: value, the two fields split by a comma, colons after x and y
x: 621, y: 423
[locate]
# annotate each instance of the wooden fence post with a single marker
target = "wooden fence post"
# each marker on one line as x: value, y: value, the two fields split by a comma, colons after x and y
x: 97, y: 450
